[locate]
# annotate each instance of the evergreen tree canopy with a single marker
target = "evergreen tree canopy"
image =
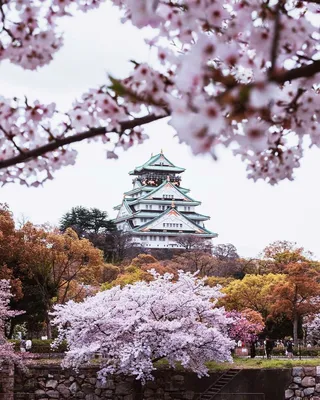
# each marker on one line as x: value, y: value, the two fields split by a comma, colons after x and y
x: 86, y: 221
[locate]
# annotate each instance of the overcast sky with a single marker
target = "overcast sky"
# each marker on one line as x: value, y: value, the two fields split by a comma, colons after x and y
x: 249, y: 215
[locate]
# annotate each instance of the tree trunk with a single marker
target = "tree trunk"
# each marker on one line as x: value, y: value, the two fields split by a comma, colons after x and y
x: 12, y: 326
x: 48, y: 325
x: 252, y: 350
x: 304, y: 333
x: 295, y: 330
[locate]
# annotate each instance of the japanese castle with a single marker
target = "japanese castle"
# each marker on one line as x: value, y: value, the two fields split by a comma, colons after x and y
x: 157, y: 209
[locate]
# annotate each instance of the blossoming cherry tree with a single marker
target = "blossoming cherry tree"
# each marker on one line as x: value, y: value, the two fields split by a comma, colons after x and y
x: 135, y: 326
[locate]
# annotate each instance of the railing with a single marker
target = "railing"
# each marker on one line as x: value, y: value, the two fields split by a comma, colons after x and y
x: 239, y: 396
x: 215, y: 388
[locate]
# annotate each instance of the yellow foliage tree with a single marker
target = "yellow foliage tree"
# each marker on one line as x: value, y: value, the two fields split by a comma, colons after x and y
x: 253, y: 292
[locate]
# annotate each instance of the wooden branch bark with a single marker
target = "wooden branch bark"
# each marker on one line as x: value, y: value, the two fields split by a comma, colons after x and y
x: 306, y: 71
x: 58, y: 143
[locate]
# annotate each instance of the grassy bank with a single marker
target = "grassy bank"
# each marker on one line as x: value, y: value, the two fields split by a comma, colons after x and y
x: 241, y: 363
x: 249, y: 363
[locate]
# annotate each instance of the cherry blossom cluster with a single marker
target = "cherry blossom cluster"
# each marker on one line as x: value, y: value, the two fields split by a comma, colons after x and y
x: 29, y: 35
x: 229, y: 68
x: 25, y: 127
x: 240, y: 74
x: 243, y: 329
x: 311, y: 327
x: 6, y: 349
x: 134, y: 326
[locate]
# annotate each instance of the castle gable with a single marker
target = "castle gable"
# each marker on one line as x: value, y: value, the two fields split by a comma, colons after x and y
x: 171, y: 220
x: 168, y: 191
x: 124, y: 210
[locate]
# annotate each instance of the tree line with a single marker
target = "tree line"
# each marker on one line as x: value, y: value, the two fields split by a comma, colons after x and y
x: 86, y: 254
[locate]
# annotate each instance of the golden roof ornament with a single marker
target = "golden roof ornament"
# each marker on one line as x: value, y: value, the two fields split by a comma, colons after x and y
x: 172, y: 204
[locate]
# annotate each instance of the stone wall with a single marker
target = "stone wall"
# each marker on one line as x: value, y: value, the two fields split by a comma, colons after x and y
x: 50, y: 382
x: 305, y: 384
x: 6, y: 382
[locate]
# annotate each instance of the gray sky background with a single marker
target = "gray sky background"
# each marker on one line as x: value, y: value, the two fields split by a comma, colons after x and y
x: 249, y: 215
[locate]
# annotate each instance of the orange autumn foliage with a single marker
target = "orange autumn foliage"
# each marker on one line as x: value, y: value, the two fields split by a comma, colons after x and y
x: 298, y: 294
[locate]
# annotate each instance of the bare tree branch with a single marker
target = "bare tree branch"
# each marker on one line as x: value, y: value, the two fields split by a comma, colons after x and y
x: 58, y: 143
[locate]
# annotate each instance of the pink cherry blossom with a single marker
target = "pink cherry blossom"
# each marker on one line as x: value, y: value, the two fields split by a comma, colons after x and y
x: 7, y: 354
x: 228, y: 72
x: 134, y: 326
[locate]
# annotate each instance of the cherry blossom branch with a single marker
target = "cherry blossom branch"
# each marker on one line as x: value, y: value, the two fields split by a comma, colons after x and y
x: 306, y: 71
x: 276, y: 38
x: 228, y: 68
x: 58, y: 143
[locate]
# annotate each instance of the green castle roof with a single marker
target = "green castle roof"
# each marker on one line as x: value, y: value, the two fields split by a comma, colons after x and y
x: 137, y: 200
x: 154, y: 164
x: 205, y: 231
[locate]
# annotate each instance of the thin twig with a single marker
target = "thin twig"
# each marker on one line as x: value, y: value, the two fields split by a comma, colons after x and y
x: 10, y: 137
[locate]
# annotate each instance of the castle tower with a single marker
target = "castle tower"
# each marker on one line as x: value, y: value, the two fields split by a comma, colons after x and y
x: 157, y: 209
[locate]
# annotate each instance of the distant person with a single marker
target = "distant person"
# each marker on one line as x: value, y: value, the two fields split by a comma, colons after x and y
x: 252, y: 349
x: 290, y: 349
x: 28, y: 344
x: 268, y: 347
x: 22, y: 345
